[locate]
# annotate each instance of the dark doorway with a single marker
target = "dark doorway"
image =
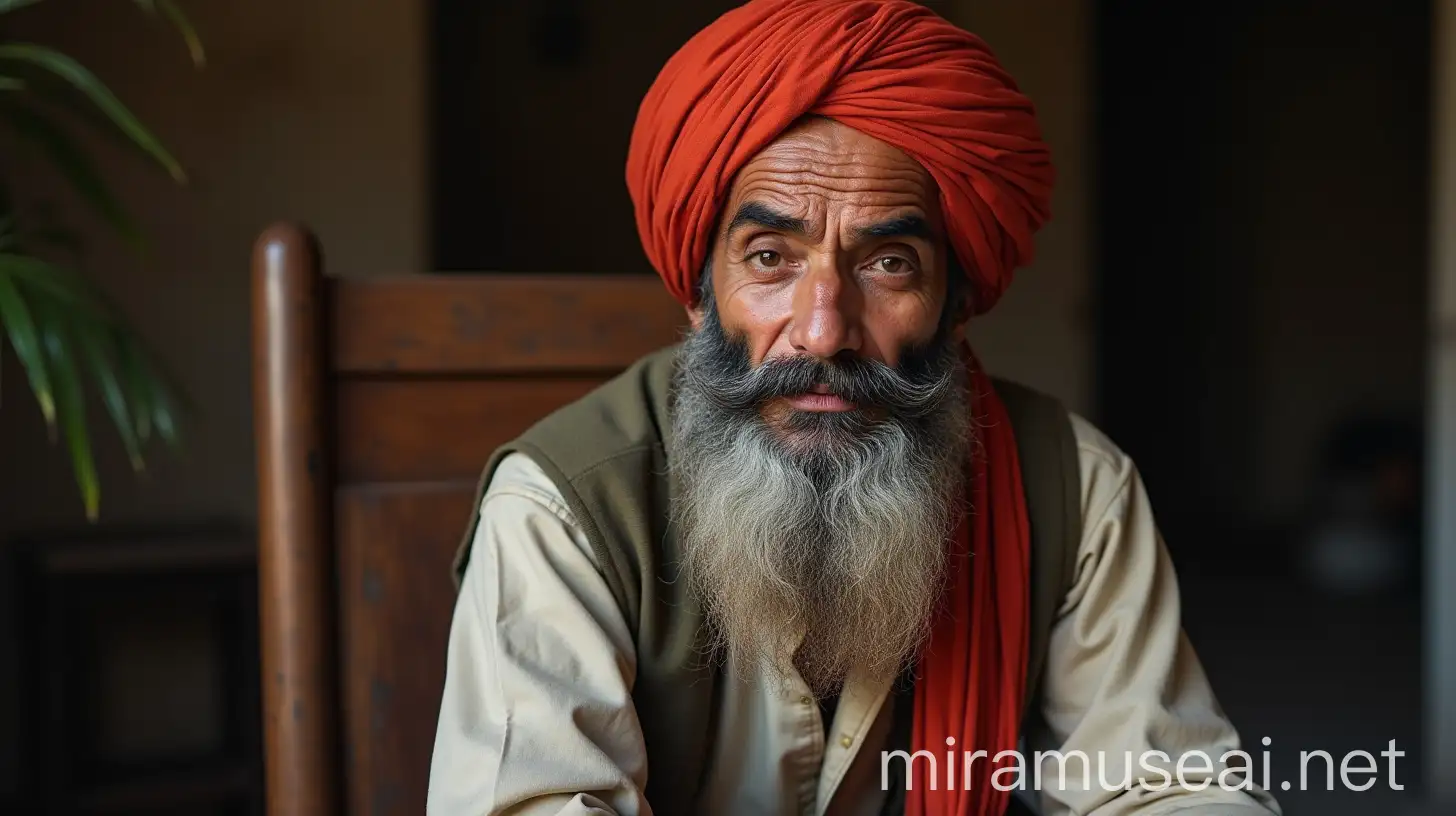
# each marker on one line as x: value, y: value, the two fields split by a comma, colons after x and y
x: 1262, y: 282
x: 1262, y: 270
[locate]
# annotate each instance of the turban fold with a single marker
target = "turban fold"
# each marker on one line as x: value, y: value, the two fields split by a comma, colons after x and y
x: 890, y: 69
x: 895, y: 71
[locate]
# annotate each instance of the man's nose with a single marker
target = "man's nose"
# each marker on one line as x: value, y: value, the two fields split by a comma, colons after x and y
x: 826, y: 314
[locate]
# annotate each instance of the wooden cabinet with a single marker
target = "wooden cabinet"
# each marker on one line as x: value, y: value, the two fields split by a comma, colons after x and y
x: 138, y: 674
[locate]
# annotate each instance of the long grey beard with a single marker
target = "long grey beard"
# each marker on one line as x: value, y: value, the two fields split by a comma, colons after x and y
x: 838, y: 537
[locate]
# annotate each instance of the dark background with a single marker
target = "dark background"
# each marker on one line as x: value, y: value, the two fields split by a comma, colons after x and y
x: 1262, y: 286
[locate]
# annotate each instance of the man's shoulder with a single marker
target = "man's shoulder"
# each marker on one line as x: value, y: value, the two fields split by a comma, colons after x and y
x: 627, y: 413
x: 518, y: 476
x: 598, y: 453
x: 1106, y: 470
x: 1103, y: 468
x: 1095, y: 449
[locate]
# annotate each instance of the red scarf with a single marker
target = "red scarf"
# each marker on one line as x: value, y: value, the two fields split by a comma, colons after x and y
x: 972, y: 677
x: 897, y: 72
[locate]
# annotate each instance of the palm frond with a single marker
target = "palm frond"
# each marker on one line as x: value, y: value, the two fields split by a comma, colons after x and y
x: 25, y: 338
x: 99, y: 344
x: 63, y: 329
x: 12, y: 5
x: 157, y: 405
x: 81, y: 79
x: 70, y: 402
x: 63, y: 284
x: 73, y: 163
x: 174, y: 15
x: 60, y: 326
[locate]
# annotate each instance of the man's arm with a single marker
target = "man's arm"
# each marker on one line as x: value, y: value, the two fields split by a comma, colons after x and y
x: 537, y: 714
x: 1121, y: 677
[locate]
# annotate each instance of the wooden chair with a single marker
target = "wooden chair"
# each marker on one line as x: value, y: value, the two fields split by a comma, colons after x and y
x: 378, y: 401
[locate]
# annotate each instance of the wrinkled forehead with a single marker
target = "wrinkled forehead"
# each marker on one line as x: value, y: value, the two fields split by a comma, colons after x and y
x: 819, y: 165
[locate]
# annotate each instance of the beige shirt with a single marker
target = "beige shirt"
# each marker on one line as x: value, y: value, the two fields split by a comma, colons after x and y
x: 537, y: 715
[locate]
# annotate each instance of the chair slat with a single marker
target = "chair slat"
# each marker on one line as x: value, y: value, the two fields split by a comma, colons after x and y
x: 499, y: 323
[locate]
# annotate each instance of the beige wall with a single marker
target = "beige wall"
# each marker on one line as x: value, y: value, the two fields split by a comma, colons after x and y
x: 1042, y: 332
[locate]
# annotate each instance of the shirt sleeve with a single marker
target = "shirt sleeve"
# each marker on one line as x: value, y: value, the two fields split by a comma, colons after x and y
x: 1125, y: 696
x: 537, y: 714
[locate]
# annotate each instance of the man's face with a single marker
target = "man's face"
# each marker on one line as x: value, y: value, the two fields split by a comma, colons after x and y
x: 820, y: 427
x: 830, y: 246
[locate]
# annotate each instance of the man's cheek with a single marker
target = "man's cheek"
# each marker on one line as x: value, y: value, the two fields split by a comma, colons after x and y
x: 763, y: 341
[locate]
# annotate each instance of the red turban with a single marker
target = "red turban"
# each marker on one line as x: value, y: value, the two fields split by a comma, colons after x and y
x: 890, y: 69
x: 895, y: 71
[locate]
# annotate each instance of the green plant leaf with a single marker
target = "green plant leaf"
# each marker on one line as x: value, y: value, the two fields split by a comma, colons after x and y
x: 138, y: 390
x: 185, y: 28
x: 165, y: 414
x: 12, y: 5
x: 128, y: 378
x: 157, y: 408
x: 60, y: 282
x: 11, y: 84
x: 71, y: 406
x: 80, y: 78
x: 174, y: 15
x: 75, y: 165
x: 99, y: 343
x: 26, y: 340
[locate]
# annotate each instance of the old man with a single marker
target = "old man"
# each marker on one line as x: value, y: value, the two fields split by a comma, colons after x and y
x: 815, y: 560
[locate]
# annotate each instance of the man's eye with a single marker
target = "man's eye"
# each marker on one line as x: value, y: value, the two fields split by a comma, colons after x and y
x: 768, y: 259
x: 892, y: 265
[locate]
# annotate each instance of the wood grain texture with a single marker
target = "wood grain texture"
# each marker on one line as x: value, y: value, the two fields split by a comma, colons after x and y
x: 295, y: 563
x: 396, y: 543
x: 430, y: 430
x: 499, y: 323
x: 378, y: 401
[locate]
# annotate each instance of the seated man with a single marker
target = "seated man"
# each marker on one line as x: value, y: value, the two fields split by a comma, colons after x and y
x: 814, y: 560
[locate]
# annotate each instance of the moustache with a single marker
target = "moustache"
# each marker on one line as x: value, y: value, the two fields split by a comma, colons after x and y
x: 917, y: 387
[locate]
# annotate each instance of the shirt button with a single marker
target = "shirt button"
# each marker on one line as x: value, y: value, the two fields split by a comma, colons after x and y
x: 806, y: 700
x: 846, y: 740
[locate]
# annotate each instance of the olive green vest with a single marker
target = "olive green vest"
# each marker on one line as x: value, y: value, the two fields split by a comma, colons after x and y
x: 608, y: 452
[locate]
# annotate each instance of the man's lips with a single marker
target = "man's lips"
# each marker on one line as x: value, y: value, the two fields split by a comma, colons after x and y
x: 819, y: 398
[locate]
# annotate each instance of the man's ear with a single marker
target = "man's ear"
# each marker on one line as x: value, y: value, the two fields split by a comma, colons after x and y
x: 695, y: 316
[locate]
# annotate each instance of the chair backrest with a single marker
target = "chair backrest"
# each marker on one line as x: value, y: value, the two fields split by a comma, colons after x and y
x: 377, y: 402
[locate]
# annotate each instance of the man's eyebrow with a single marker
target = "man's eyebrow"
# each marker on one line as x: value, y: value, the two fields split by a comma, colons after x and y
x: 904, y: 226
x: 752, y: 213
